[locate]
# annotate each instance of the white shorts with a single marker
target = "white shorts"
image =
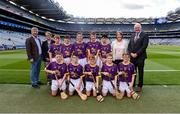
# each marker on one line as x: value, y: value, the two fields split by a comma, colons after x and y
x: 107, y: 86
x: 53, y: 59
x: 76, y: 83
x: 55, y: 85
x: 90, y: 86
x: 124, y: 87
x: 67, y: 60
x: 83, y: 61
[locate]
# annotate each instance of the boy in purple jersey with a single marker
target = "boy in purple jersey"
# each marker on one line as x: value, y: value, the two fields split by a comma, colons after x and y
x: 67, y: 49
x: 93, y: 48
x: 62, y: 68
x: 109, y: 71
x: 79, y: 49
x: 75, y: 75
x: 91, y: 72
x: 126, y: 75
x: 54, y: 48
x: 105, y: 48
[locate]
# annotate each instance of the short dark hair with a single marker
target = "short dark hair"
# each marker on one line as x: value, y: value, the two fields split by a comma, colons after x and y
x: 67, y: 37
x: 104, y: 36
x: 92, y: 33
x: 58, y: 53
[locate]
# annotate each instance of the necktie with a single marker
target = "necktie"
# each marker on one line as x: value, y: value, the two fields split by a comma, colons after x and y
x: 136, y: 37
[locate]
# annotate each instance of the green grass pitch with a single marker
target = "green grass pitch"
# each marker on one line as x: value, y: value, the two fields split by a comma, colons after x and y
x: 160, y: 94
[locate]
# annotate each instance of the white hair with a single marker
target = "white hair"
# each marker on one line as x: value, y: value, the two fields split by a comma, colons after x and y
x: 137, y: 25
x: 34, y: 28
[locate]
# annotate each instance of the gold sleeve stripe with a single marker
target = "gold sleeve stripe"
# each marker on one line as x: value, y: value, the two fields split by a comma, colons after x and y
x: 82, y: 76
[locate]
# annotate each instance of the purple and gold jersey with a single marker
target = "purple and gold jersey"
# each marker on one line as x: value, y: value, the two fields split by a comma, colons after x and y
x: 112, y: 70
x: 93, y: 47
x: 79, y: 50
x: 128, y: 70
x: 55, y: 66
x: 55, y: 49
x: 66, y: 50
x: 75, y: 71
x: 105, y: 49
x: 94, y: 70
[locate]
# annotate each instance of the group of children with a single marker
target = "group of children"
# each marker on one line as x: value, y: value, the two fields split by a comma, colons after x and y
x: 86, y: 65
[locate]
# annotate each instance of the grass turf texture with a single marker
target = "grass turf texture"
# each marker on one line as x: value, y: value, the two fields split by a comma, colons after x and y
x: 22, y: 98
x: 14, y: 67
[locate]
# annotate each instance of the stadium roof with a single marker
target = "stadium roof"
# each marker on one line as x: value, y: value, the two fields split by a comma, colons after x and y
x: 45, y: 8
x: 50, y: 9
x: 174, y: 15
x: 119, y: 8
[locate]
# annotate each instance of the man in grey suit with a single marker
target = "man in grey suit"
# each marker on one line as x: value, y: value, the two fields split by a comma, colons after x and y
x: 137, y: 50
x: 33, y: 49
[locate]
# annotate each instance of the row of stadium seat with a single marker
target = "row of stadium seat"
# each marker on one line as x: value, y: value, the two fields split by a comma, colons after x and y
x: 12, y: 38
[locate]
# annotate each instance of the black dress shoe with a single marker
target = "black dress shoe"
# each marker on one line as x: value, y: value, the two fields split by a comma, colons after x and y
x: 139, y: 89
x: 39, y: 83
x: 36, y: 86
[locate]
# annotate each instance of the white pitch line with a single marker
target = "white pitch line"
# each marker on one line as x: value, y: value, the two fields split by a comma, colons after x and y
x: 165, y: 86
x: 161, y: 70
x: 27, y: 70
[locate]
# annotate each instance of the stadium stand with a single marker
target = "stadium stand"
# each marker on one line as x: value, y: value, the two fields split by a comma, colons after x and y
x: 14, y: 39
x: 16, y: 20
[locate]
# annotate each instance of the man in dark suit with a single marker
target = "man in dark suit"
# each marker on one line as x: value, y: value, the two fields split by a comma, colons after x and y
x: 137, y: 50
x: 45, y: 54
x: 33, y: 49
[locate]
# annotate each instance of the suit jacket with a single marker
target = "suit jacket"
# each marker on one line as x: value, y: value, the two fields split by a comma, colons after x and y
x: 32, y: 48
x: 139, y: 46
x: 45, y: 50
